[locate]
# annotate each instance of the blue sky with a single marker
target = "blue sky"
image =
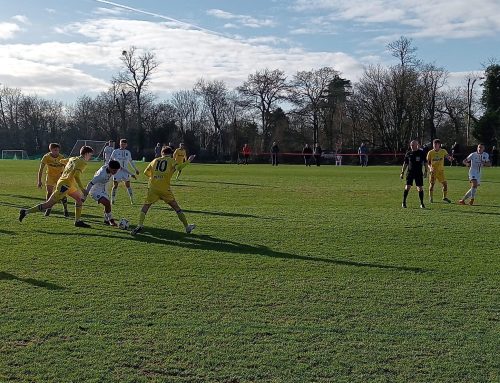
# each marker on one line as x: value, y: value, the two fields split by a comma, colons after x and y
x: 63, y: 49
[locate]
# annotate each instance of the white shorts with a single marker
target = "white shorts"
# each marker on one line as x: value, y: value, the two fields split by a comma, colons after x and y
x: 121, y: 176
x: 98, y: 193
x: 475, y: 176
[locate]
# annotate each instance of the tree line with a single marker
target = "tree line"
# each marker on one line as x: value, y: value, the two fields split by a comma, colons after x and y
x: 385, y: 108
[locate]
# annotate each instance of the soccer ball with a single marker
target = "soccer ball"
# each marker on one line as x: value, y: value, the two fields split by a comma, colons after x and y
x: 123, y: 224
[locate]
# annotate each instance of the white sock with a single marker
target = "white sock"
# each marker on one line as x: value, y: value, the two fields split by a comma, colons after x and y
x: 130, y: 193
x: 473, y: 192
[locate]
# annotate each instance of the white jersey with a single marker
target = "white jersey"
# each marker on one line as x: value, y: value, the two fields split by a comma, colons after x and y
x: 124, y: 157
x: 100, y: 180
x: 107, y: 152
x: 477, y: 161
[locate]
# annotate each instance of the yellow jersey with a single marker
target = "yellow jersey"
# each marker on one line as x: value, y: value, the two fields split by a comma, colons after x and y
x: 180, y: 155
x: 72, y: 172
x: 436, y: 158
x: 55, y: 165
x: 160, y: 171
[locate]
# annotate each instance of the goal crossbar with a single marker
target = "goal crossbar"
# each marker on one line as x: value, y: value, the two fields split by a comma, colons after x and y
x: 98, y: 147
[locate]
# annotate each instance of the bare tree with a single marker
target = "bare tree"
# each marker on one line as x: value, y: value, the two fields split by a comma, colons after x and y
x: 262, y: 91
x: 308, y: 90
x: 433, y: 80
x: 187, y: 108
x: 136, y: 76
x: 215, y: 99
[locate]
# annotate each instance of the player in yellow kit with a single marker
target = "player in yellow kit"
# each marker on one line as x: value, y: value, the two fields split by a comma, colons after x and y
x: 180, y: 157
x: 55, y: 163
x: 435, y: 162
x: 160, y: 171
x: 69, y: 184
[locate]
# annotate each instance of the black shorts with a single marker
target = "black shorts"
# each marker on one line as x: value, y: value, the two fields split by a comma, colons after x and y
x: 418, y: 178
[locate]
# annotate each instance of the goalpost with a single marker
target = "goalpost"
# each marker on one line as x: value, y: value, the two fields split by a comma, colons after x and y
x: 14, y: 155
x: 98, y: 147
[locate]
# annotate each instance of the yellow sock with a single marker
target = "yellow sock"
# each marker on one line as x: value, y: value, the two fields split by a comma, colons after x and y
x: 35, y: 209
x: 78, y: 213
x: 142, y: 217
x: 182, y: 218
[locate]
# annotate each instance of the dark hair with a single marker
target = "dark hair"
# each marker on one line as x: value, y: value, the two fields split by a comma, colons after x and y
x: 166, y: 150
x: 86, y: 149
x: 436, y: 141
x: 123, y: 141
x: 114, y: 165
x: 54, y: 145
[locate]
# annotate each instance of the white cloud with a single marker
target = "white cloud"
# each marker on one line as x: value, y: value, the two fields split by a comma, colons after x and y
x: 46, y: 80
x: 115, y: 11
x: 447, y: 19
x: 247, y: 21
x: 22, y: 19
x: 184, y: 55
x: 8, y: 30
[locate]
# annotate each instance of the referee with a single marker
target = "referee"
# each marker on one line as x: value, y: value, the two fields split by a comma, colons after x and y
x: 414, y: 161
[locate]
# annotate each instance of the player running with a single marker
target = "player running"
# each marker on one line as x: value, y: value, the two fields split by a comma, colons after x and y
x: 160, y: 171
x: 123, y: 156
x: 435, y: 162
x: 180, y: 157
x: 97, y: 188
x: 414, y: 161
x: 69, y: 184
x: 55, y: 163
x: 475, y: 161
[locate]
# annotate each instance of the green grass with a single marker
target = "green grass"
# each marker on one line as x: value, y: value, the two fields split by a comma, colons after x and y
x: 293, y: 274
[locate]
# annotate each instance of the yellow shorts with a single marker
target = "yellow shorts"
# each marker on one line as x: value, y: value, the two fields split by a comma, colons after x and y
x: 51, y: 181
x: 437, y: 175
x: 62, y: 190
x: 154, y: 195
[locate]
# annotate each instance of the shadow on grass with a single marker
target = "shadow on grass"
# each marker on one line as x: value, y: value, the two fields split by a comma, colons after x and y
x: 34, y: 282
x: 472, y: 212
x: 7, y: 232
x: 29, y: 197
x: 218, y: 213
x: 209, y: 243
x: 232, y: 183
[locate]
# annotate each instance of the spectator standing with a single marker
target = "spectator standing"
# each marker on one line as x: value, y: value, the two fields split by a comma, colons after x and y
x: 274, y: 153
x: 246, y: 153
x: 158, y: 150
x: 307, y: 153
x: 317, y: 154
x: 363, y: 154
x: 494, y: 156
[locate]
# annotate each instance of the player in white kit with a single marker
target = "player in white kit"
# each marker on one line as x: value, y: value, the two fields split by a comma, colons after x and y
x: 107, y: 151
x: 123, y: 156
x: 96, y: 188
x: 475, y: 161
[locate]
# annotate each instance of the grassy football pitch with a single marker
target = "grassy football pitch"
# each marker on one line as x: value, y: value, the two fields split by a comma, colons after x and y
x: 293, y: 274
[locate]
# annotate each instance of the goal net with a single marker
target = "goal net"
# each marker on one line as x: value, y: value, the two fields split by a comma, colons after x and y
x: 14, y: 155
x: 98, y: 147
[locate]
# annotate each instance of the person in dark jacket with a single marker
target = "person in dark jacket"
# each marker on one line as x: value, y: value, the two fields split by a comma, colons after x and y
x: 274, y: 153
x: 317, y: 154
x: 307, y: 152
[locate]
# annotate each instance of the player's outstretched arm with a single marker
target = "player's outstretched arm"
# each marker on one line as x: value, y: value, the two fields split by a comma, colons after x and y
x: 402, y: 171
x: 40, y: 172
x: 184, y: 164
